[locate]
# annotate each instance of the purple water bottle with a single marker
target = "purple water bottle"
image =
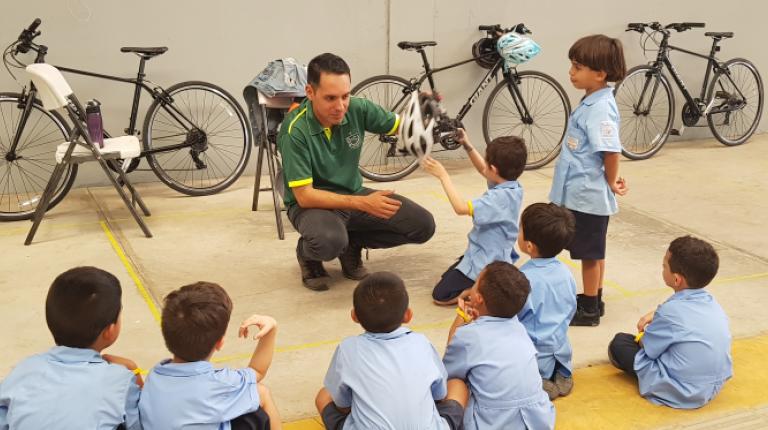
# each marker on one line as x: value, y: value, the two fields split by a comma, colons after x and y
x: 94, y: 122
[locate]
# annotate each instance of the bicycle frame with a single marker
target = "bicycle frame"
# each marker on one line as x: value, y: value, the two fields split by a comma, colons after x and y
x: 509, y: 75
x: 138, y: 82
x: 662, y: 60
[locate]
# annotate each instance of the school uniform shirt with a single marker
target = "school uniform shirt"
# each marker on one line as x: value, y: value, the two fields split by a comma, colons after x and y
x: 389, y: 380
x: 69, y: 389
x: 548, y: 312
x: 493, y: 236
x: 497, y: 359
x: 579, y: 181
x: 686, y: 351
x: 196, y: 395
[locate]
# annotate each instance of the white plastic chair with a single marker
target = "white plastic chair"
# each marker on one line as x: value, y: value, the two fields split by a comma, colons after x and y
x: 55, y: 93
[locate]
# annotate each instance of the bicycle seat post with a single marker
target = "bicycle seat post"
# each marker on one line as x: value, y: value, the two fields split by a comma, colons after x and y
x: 427, y: 68
x: 131, y: 130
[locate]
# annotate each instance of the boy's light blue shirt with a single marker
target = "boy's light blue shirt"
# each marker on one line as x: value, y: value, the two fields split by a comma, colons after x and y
x: 497, y: 359
x: 390, y: 380
x: 196, y: 395
x: 69, y: 388
x: 686, y: 351
x: 548, y: 312
x: 494, y: 228
x: 579, y: 181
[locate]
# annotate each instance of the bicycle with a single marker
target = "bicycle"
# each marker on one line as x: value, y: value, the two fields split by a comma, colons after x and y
x: 195, y: 135
x: 732, y: 101
x: 530, y: 104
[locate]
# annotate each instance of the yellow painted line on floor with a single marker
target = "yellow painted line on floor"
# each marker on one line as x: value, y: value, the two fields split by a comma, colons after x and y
x: 445, y: 324
x: 131, y: 272
x: 605, y: 398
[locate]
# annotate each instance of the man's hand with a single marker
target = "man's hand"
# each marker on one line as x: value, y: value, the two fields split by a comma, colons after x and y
x: 379, y: 204
x: 620, y: 187
x: 644, y: 321
x: 434, y: 167
x: 264, y: 323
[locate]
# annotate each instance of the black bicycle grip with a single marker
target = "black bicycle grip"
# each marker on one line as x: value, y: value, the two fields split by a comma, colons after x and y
x: 489, y: 27
x: 36, y: 23
x: 694, y: 24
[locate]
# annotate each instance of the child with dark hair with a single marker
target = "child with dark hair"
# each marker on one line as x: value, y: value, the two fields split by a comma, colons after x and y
x: 586, y: 179
x: 187, y: 391
x: 494, y: 214
x: 388, y: 377
x: 545, y: 230
x: 73, y: 385
x: 682, y: 356
x: 490, y: 352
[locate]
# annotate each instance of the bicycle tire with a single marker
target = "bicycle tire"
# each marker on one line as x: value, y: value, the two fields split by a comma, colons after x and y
x: 544, y: 137
x: 749, y: 92
x: 642, y: 136
x: 218, y: 109
x: 380, y: 161
x: 33, y: 169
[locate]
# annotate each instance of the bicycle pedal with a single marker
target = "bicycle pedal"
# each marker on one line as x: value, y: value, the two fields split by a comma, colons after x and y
x: 676, y: 132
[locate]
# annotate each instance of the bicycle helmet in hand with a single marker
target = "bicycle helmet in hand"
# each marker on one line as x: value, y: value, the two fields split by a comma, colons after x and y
x: 417, y: 125
x: 484, y: 51
x: 516, y: 48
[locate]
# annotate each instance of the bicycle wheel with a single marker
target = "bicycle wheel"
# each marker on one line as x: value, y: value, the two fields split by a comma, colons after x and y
x: 736, y: 99
x: 25, y: 173
x: 207, y: 150
x: 548, y: 106
x: 379, y: 158
x: 646, y: 107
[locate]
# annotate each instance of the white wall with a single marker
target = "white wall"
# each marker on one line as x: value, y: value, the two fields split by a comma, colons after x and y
x: 228, y: 43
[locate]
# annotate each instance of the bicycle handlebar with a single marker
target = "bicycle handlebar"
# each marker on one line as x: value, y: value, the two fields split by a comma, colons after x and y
x: 677, y: 26
x: 27, y: 35
x: 497, y: 29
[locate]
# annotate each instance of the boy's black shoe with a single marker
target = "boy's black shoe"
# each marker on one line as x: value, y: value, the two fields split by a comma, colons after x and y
x: 600, y: 303
x: 352, y: 263
x: 313, y: 274
x: 587, y: 312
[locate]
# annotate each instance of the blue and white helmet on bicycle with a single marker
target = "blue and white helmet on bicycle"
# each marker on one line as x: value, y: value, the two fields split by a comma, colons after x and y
x: 417, y: 125
x: 516, y: 48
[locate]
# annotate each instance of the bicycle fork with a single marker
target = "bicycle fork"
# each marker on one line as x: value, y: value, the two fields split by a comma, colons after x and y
x: 25, y: 101
x: 514, y: 90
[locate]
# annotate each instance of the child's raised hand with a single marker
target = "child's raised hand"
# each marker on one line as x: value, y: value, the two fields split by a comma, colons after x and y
x: 620, y: 186
x: 264, y: 323
x: 433, y: 167
x: 461, y: 137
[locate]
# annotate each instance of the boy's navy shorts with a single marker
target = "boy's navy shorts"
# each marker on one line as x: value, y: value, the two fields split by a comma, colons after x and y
x: 589, y: 241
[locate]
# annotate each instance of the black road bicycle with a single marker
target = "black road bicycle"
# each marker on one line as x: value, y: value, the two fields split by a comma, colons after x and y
x: 731, y: 95
x: 195, y: 137
x: 529, y: 104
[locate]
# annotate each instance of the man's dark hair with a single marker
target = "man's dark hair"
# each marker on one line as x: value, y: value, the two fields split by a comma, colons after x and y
x: 508, y: 154
x: 325, y: 63
x: 693, y: 259
x: 600, y: 53
x: 195, y: 317
x: 504, y: 289
x: 548, y: 226
x: 81, y: 303
x: 380, y: 302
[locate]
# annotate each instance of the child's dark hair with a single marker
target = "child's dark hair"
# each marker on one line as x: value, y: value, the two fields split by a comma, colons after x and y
x: 693, y: 259
x: 380, y: 302
x: 195, y: 317
x: 81, y: 303
x: 504, y: 288
x: 325, y: 63
x: 549, y: 227
x: 508, y: 154
x: 601, y: 53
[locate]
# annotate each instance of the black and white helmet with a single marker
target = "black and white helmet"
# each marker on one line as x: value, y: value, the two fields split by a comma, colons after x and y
x: 418, y: 123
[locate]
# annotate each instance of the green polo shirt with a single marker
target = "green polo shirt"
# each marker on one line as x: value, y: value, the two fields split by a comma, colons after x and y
x: 328, y: 158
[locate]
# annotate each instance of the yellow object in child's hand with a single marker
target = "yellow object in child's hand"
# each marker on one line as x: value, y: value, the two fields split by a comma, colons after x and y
x: 639, y: 337
x: 463, y: 315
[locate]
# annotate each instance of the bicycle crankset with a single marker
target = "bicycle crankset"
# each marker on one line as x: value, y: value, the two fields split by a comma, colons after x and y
x: 690, y: 114
x: 445, y: 133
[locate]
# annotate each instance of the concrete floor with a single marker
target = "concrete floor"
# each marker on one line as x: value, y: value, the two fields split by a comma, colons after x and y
x: 695, y: 187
